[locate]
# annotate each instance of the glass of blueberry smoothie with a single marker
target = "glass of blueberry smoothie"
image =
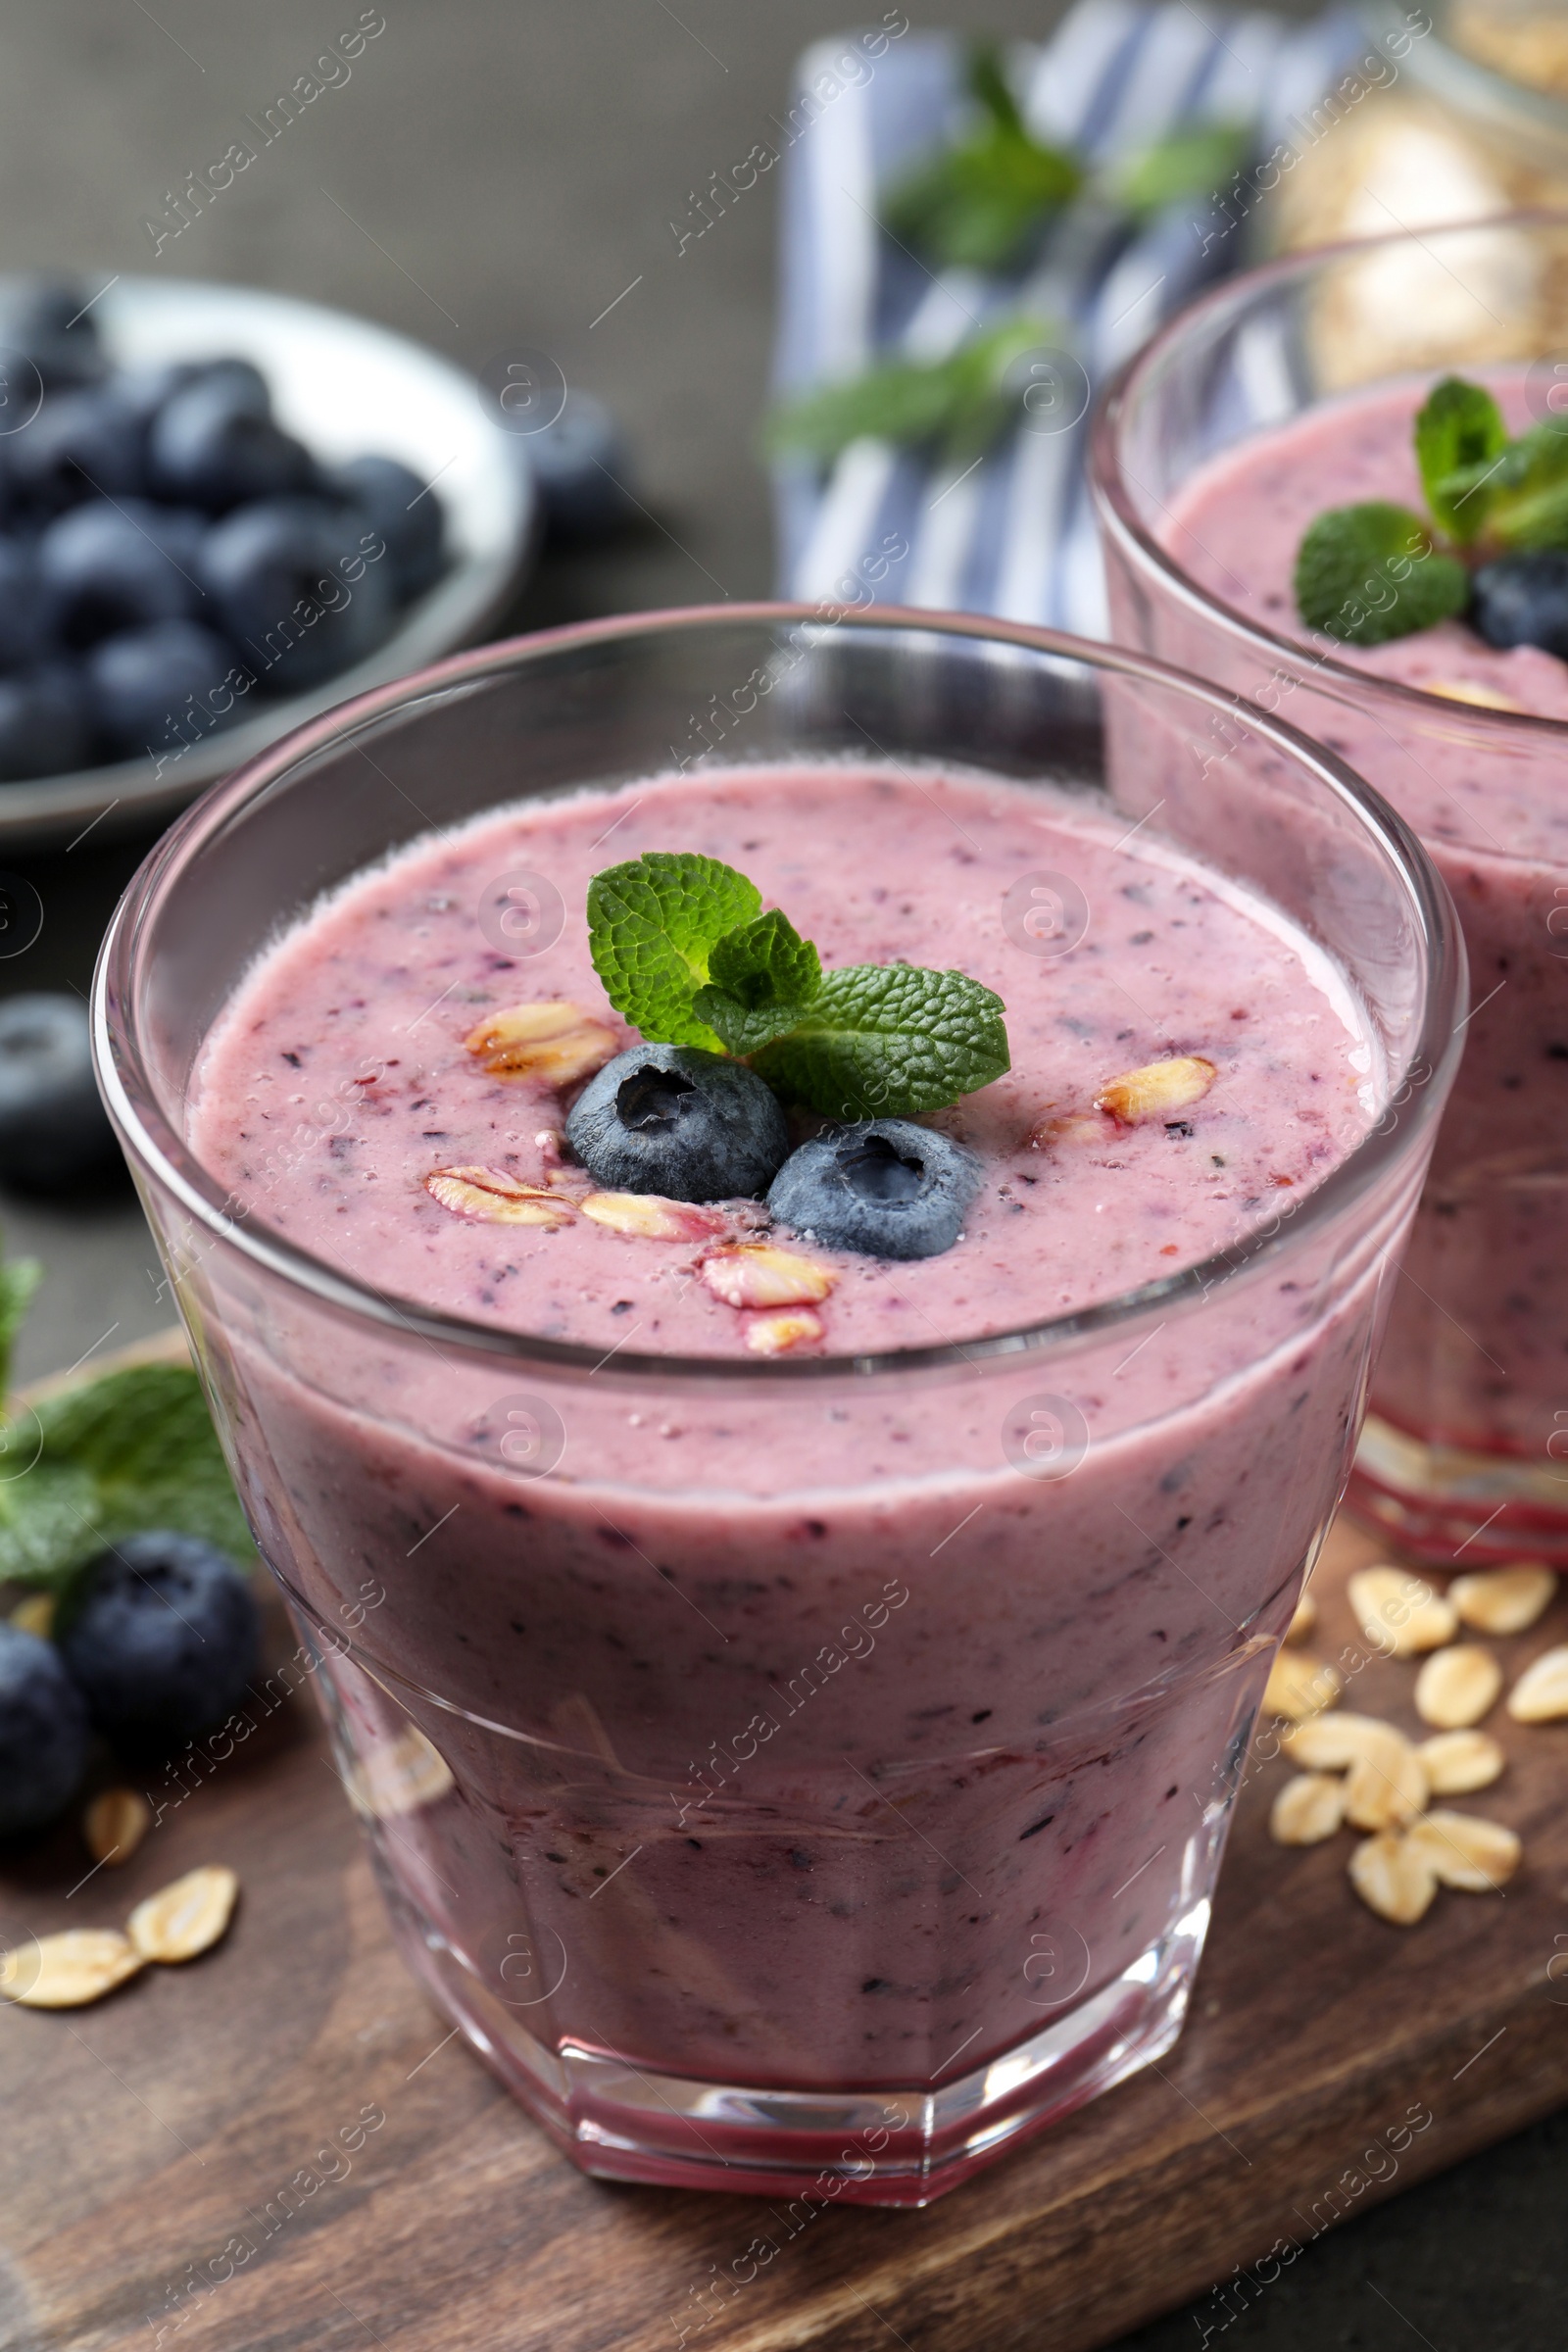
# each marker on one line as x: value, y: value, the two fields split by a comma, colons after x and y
x: 808, y: 1196
x: 1338, y: 487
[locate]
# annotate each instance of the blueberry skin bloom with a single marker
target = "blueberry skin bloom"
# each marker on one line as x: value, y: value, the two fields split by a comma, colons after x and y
x: 43, y: 1731
x: 885, y: 1188
x: 161, y: 1638
x: 674, y: 1120
x: 1523, y: 600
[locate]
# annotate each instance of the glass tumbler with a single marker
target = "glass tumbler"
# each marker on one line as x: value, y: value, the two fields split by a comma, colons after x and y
x: 809, y: 1831
x: 1466, y: 1445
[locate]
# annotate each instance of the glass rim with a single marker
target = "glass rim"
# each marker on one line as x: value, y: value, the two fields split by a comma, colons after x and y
x: 1437, y: 63
x: 157, y: 1147
x: 1120, y: 520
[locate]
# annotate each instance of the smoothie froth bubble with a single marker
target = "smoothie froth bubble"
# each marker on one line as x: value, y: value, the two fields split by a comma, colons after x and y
x: 765, y: 1758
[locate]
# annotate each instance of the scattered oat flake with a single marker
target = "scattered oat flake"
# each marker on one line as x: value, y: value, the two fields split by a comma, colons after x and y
x: 1458, y: 1685
x: 1475, y: 1856
x: 775, y: 1335
x: 652, y: 1217
x: 68, y: 1970
x: 756, y: 1274
x: 1400, y: 1611
x: 35, y: 1615
x: 1503, y: 1600
x: 1298, y: 1686
x: 1540, y: 1694
x: 1158, y: 1087
x: 1307, y: 1809
x: 1387, y: 1784
x: 184, y: 1919
x: 114, y: 1825
x: 1471, y: 690
x: 1456, y: 1763
x: 1392, y: 1877
x: 496, y: 1199
x: 556, y: 1041
x: 1333, y: 1742
x: 1303, y: 1620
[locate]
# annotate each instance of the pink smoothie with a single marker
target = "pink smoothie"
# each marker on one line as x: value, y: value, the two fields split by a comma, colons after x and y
x: 1477, y: 1354
x: 806, y: 1734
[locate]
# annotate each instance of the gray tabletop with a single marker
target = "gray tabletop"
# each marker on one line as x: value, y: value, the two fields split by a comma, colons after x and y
x: 496, y: 173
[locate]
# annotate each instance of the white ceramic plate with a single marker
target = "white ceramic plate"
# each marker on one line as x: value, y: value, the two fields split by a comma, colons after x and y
x: 344, y: 387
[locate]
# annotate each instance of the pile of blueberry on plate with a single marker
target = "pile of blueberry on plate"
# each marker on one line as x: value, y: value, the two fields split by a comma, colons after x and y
x: 157, y: 1642
x: 170, y: 556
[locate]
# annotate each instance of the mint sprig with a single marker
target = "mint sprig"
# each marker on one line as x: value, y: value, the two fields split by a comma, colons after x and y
x: 978, y: 203
x: 1374, y: 571
x: 863, y: 1042
x: 958, y: 406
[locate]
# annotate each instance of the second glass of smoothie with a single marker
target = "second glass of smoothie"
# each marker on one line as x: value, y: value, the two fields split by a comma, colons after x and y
x: 795, y: 1736
x: 1283, y: 394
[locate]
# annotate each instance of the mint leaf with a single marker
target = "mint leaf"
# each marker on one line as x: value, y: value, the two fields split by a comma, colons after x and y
x: 979, y: 203
x: 1460, y: 435
x: 1188, y: 162
x: 20, y: 1277
x: 958, y: 406
x: 1368, y: 573
x: 1526, y: 491
x: 133, y: 1451
x: 886, y: 1041
x: 762, y: 977
x: 652, y: 926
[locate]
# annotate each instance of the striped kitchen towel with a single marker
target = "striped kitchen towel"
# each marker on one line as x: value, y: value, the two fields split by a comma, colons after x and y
x: 1013, y: 534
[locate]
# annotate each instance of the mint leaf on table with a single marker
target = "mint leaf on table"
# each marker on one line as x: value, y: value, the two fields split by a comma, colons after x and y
x: 20, y: 1277
x: 958, y: 405
x: 653, y: 925
x: 133, y: 1451
x: 978, y: 203
x: 1370, y: 572
x: 1460, y: 435
x: 887, y: 1041
x: 762, y: 977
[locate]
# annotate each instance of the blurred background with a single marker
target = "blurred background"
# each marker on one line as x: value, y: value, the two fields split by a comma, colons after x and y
x: 491, y: 177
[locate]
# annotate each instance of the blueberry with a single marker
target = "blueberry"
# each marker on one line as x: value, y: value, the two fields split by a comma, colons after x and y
x: 161, y: 1635
x: 44, y: 724
x: 53, y: 1132
x: 43, y: 1731
x: 104, y: 569
x: 885, y: 1188
x: 296, y: 590
x: 1523, y: 600
x: 147, y: 390
x: 211, y: 445
x: 581, y: 463
x: 149, y: 687
x: 404, y: 511
x: 79, y: 445
x: 24, y: 629
x: 44, y: 320
x: 674, y: 1120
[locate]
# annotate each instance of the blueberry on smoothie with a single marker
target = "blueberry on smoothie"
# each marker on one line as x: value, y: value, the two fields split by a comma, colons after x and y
x: 1523, y: 600
x: 885, y: 1188
x: 681, y: 1122
x: 161, y: 1638
x: 43, y: 1731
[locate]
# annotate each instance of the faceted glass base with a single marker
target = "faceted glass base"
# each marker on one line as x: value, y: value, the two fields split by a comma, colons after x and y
x: 1440, y: 1502
x: 888, y: 2147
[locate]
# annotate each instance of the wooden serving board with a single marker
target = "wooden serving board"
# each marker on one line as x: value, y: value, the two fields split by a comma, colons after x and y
x: 218, y: 2122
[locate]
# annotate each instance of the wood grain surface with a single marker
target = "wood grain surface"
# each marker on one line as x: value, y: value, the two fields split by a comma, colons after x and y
x: 281, y: 2144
